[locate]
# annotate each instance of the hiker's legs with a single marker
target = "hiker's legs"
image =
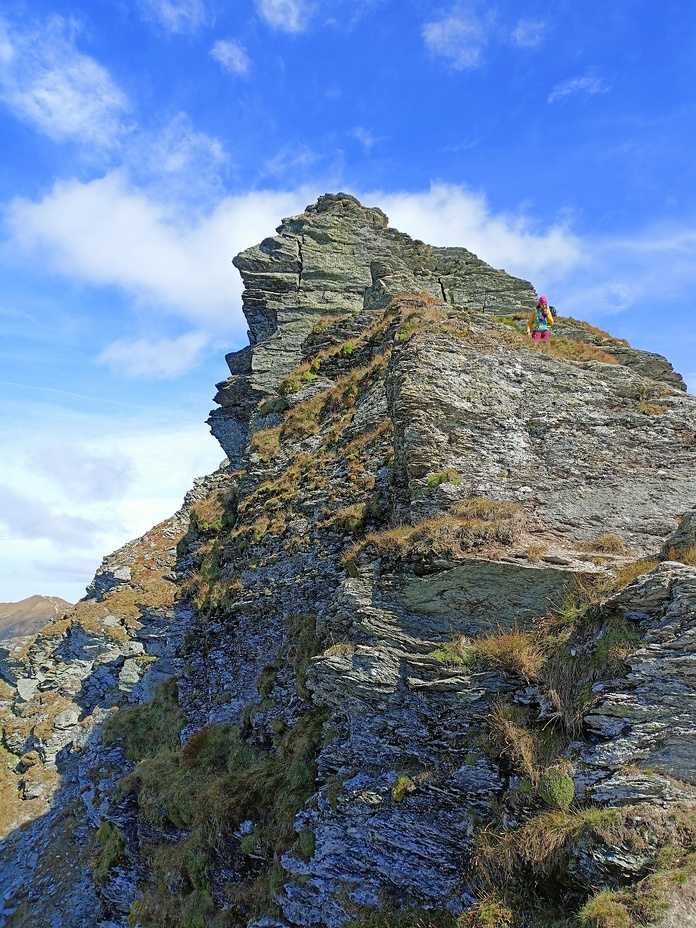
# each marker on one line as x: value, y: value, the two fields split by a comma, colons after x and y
x: 537, y: 336
x: 545, y: 336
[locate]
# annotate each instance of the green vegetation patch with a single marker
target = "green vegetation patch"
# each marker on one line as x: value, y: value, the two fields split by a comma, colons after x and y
x: 199, y: 794
x: 108, y: 851
x: 145, y: 730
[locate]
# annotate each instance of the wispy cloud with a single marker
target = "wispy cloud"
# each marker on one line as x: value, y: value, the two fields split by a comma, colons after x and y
x: 24, y: 517
x: 231, y: 56
x: 48, y: 83
x: 528, y: 33
x: 459, y: 37
x: 286, y: 15
x: 168, y: 259
x: 177, y: 163
x: 155, y: 359
x: 587, y: 86
x: 178, y: 16
x: 83, y: 475
x: 365, y: 137
x: 448, y: 214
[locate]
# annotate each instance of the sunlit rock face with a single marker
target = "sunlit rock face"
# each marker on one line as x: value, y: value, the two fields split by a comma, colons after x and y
x: 440, y: 602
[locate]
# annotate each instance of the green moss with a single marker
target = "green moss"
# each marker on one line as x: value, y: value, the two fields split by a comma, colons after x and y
x: 402, y: 786
x: 273, y: 406
x: 452, y: 654
x: 443, y: 476
x: 556, y: 789
x: 307, y: 843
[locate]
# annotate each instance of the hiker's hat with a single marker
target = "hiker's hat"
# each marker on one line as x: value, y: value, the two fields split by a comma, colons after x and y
x: 543, y: 301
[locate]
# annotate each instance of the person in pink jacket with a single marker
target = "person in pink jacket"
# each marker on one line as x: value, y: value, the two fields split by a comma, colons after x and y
x: 540, y: 321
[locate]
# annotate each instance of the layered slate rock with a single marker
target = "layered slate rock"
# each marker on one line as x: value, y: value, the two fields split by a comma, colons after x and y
x: 337, y: 258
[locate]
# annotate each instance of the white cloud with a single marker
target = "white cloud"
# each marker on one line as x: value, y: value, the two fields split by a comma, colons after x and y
x: 452, y: 215
x: 24, y: 517
x: 155, y: 359
x: 231, y: 56
x: 286, y: 15
x: 161, y: 449
x: 586, y: 86
x: 109, y: 232
x: 460, y: 37
x: 177, y: 16
x: 83, y: 475
x: 48, y: 83
x: 528, y: 33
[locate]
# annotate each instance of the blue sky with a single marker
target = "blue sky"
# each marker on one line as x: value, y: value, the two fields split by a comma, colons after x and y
x: 145, y: 142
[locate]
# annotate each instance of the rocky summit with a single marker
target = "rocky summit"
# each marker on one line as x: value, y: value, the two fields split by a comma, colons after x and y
x: 420, y: 654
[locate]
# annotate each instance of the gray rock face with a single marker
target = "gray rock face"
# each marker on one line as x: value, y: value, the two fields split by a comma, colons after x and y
x: 649, y: 717
x: 338, y: 258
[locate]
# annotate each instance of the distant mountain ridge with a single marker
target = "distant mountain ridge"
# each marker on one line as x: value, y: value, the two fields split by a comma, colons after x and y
x: 29, y: 615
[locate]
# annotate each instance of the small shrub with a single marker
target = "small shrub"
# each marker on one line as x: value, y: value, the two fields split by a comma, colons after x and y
x: 556, y: 789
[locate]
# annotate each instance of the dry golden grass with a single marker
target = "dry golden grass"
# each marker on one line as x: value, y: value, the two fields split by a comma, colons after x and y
x: 266, y: 443
x: 629, y: 572
x: 516, y: 652
x: 603, y: 338
x: 513, y: 740
x: 570, y: 350
x: 470, y: 524
x: 685, y: 555
x: 610, y: 543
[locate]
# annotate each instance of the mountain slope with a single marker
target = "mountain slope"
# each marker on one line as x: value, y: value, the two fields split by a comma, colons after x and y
x: 425, y: 643
x: 29, y: 615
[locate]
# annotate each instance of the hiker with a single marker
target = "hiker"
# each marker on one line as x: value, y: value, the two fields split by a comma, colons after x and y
x: 540, y: 321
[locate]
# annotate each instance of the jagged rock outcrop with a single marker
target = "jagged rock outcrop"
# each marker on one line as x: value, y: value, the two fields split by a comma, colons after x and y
x: 432, y: 634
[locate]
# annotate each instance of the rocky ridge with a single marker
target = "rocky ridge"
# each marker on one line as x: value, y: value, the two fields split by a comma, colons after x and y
x: 420, y: 613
